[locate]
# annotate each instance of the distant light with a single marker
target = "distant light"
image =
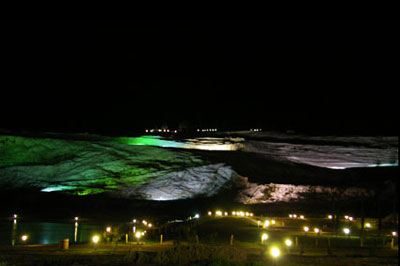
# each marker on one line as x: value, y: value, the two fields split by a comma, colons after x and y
x: 197, y: 216
x: 301, y: 216
x: 394, y: 233
x: 95, y: 239
x: 264, y: 237
x: 351, y: 219
x: 251, y: 214
x: 138, y: 235
x: 275, y: 252
x: 241, y: 213
x: 15, y: 221
x: 346, y: 217
x: 209, y: 213
x: 150, y: 225
x: 288, y: 242
x: 306, y: 229
x: 134, y: 221
x: 108, y: 229
x: 24, y: 237
x: 316, y: 230
x: 330, y: 217
x: 76, y: 218
x: 368, y: 225
x: 76, y: 224
x: 233, y: 213
x: 266, y: 223
x: 218, y: 213
x: 272, y: 221
x: 15, y: 216
x: 144, y: 222
x: 291, y: 215
x: 147, y: 130
x: 346, y: 231
x: 294, y: 215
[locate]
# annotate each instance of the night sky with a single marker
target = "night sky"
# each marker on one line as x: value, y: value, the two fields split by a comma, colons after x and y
x: 119, y: 77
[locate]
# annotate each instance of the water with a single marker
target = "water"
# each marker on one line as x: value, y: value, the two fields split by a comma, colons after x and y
x: 46, y: 233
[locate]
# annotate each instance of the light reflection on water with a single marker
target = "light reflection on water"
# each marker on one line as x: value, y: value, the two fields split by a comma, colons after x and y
x: 46, y: 233
x: 206, y: 143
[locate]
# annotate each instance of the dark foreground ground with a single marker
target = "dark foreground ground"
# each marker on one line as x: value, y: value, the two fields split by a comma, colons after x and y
x: 184, y: 254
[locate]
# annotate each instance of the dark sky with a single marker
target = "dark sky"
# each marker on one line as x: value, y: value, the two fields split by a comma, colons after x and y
x: 117, y: 77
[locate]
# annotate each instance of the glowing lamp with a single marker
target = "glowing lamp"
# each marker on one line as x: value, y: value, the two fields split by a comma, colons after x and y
x: 288, y: 242
x: 266, y: 224
x: 306, y: 229
x: 264, y: 237
x: 316, y: 230
x: 138, y: 235
x: 272, y: 221
x: 275, y: 252
x: 95, y: 239
x: 346, y: 231
x: 346, y: 217
x: 134, y: 221
x: 394, y: 233
x: 218, y: 213
x: 15, y: 216
x: 351, y: 219
x: 301, y: 216
x: 247, y: 214
x: 197, y: 216
x: 150, y: 225
x: 24, y: 238
x: 76, y: 218
x: 368, y: 225
x: 330, y: 217
x: 108, y: 229
x: 290, y: 215
x: 294, y: 215
x: 209, y: 213
x: 226, y: 214
x: 233, y: 213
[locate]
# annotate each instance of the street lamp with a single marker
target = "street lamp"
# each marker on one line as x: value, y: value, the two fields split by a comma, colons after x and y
x: 306, y: 229
x: 346, y: 231
x: 263, y: 238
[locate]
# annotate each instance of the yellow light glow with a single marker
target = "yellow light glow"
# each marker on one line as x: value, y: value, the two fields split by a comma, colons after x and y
x: 233, y: 213
x: 288, y: 242
x: 144, y: 222
x: 241, y: 213
x: 290, y: 215
x: 275, y: 252
x: 272, y: 221
x: 150, y: 225
x: 76, y: 218
x: 138, y: 234
x: 346, y: 231
x: 226, y: 214
x: 247, y: 214
x: 316, y: 230
x: 264, y: 237
x: 351, y: 219
x: 294, y: 215
x: 24, y: 237
x: 394, y: 233
x: 368, y: 225
x: 301, y: 216
x: 95, y: 239
x: 346, y: 217
x: 306, y: 229
x: 330, y: 217
x: 108, y: 229
x: 209, y: 213
x: 218, y: 213
x: 266, y: 224
x: 251, y: 214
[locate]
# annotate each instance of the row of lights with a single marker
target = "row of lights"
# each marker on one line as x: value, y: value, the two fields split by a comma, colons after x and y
x: 161, y: 130
x: 207, y: 130
x: 234, y: 213
x: 295, y: 216
x: 255, y: 129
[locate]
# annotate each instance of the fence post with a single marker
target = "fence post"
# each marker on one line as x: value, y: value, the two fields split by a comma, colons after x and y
x: 231, y: 240
x: 161, y: 238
